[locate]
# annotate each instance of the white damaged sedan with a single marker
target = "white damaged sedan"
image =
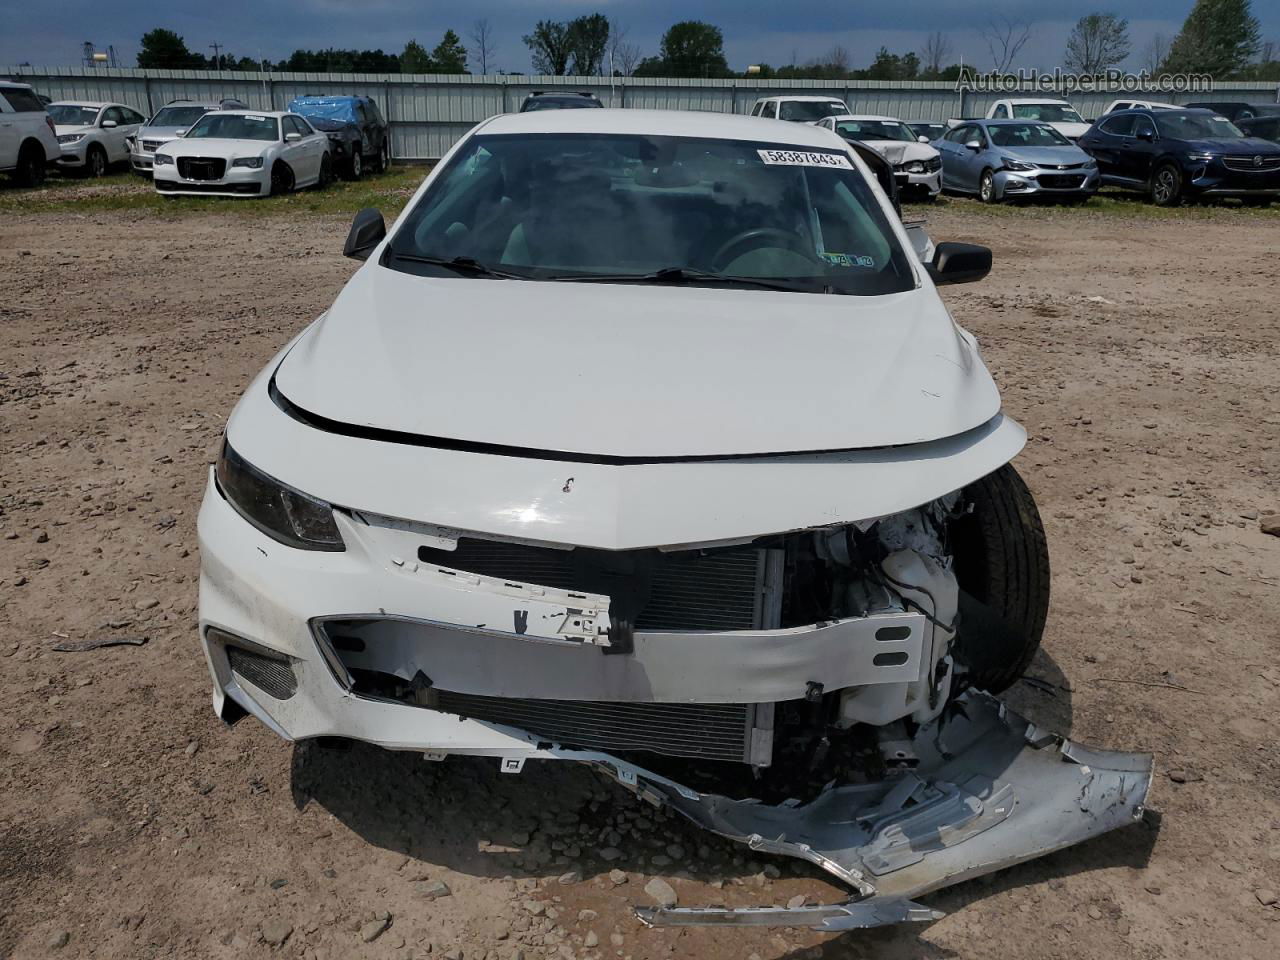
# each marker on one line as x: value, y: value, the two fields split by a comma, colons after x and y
x: 917, y: 166
x: 642, y: 440
x: 240, y: 153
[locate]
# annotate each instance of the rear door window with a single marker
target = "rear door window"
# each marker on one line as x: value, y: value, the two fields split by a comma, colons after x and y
x: 1118, y: 126
x: 22, y: 101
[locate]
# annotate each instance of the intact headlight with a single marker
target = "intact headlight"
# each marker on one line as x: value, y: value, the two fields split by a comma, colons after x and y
x: 71, y: 138
x: 1090, y: 163
x: 282, y: 513
x: 1012, y: 164
x: 162, y: 159
x: 253, y: 163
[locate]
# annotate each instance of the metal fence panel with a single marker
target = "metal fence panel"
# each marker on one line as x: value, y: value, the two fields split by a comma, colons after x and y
x: 428, y: 113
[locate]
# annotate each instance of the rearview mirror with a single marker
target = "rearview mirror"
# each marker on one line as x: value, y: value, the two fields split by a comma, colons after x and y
x: 959, y: 263
x: 292, y: 137
x: 108, y: 124
x: 368, y: 229
x: 974, y: 145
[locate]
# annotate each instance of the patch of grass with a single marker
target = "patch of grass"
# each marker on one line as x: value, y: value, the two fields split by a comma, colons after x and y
x: 125, y: 191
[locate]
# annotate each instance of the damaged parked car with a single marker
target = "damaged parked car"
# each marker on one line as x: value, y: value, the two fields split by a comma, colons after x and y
x: 642, y: 439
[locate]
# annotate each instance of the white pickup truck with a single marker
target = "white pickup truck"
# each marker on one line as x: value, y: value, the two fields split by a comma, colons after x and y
x: 1057, y: 113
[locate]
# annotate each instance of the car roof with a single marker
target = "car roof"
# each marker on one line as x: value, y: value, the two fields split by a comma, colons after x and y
x: 254, y: 113
x: 325, y: 98
x: 809, y: 99
x: 1008, y: 121
x: 669, y: 123
x: 95, y: 104
x: 864, y: 116
x: 1036, y: 100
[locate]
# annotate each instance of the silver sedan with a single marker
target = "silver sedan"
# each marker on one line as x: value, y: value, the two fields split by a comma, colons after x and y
x: 1014, y: 159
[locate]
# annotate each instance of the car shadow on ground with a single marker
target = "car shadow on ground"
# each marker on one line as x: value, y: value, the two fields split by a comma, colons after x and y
x: 554, y: 818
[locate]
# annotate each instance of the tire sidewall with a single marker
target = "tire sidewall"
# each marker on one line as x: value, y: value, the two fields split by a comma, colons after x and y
x: 1166, y: 185
x: 987, y: 187
x: 96, y: 162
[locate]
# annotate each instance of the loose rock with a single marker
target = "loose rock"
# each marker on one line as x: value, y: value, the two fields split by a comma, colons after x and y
x: 662, y: 892
x: 372, y: 930
x: 276, y: 932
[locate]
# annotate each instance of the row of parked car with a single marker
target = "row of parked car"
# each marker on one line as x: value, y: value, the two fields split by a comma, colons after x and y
x: 1032, y: 148
x: 192, y: 147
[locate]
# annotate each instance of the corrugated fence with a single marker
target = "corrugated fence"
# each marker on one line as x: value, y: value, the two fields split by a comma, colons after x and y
x: 429, y: 112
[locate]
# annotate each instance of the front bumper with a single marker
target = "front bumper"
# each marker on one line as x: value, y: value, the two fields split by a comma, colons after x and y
x: 236, y: 182
x: 141, y: 162
x: 1215, y: 179
x: 73, y: 154
x: 1047, y: 184
x: 916, y: 185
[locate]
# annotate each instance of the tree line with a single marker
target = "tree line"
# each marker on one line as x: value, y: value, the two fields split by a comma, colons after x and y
x: 1221, y: 38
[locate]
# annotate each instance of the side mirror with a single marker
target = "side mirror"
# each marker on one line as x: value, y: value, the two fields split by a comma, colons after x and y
x: 180, y: 133
x: 922, y: 139
x: 368, y: 230
x: 292, y: 137
x: 974, y: 145
x: 108, y: 124
x: 1146, y: 135
x: 959, y: 263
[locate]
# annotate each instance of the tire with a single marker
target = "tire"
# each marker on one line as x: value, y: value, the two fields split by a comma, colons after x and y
x: 31, y: 165
x: 326, y: 172
x: 1002, y: 565
x: 380, y: 165
x: 987, y: 187
x: 95, y: 162
x: 355, y: 166
x: 1165, y: 189
x: 282, y: 179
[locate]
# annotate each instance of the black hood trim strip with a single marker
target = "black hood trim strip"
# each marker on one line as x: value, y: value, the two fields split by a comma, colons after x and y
x: 385, y: 435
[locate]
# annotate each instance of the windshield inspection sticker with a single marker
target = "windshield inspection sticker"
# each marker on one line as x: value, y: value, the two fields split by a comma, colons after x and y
x: 250, y: 116
x: 848, y: 260
x: 800, y: 158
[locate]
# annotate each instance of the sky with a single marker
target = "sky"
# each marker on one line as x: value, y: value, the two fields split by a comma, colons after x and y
x: 52, y: 33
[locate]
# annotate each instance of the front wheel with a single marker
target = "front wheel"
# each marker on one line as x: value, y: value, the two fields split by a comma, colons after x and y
x: 355, y: 169
x: 1166, y: 186
x: 281, y: 178
x: 383, y: 161
x: 95, y: 163
x: 987, y: 187
x: 1002, y: 565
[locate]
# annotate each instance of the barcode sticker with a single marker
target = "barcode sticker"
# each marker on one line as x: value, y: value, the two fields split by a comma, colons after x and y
x: 801, y: 158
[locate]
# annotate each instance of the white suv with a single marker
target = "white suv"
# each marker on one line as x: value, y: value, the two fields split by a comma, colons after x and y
x: 799, y: 109
x: 93, y: 135
x: 27, y: 140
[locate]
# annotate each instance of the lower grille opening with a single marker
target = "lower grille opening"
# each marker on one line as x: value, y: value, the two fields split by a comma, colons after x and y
x: 272, y: 676
x: 202, y: 168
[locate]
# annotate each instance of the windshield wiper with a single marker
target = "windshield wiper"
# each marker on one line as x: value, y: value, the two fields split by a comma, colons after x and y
x: 467, y: 265
x: 689, y: 275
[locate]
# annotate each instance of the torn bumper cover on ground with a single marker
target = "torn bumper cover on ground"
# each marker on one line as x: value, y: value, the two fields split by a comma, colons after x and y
x: 990, y: 790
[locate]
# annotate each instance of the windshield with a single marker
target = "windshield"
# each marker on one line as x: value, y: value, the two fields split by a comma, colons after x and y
x: 1026, y: 135
x: 875, y: 130
x: 1192, y: 126
x: 177, y: 116
x: 1048, y: 112
x: 807, y: 111
x: 624, y: 207
x: 559, y: 103
x: 69, y: 115
x: 236, y: 126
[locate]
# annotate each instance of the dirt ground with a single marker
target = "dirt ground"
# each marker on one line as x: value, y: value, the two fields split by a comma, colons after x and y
x: 1142, y: 355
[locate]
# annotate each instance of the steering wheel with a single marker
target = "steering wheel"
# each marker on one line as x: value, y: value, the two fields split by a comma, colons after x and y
x: 757, y: 237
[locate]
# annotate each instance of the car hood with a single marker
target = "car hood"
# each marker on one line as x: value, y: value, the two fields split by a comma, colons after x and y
x: 216, y: 147
x: 1069, y: 128
x: 1045, y: 156
x: 635, y: 371
x: 901, y: 151
x: 62, y: 129
x: 157, y: 133
x: 1235, y: 147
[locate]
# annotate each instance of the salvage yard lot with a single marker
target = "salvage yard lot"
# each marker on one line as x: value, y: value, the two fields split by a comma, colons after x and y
x: 1140, y: 347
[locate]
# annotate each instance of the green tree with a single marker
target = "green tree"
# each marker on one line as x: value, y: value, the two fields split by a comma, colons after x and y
x: 588, y: 40
x: 550, y: 48
x: 415, y: 58
x: 1097, y: 42
x: 891, y: 66
x: 449, y: 56
x: 164, y: 50
x: 692, y: 48
x: 1219, y: 37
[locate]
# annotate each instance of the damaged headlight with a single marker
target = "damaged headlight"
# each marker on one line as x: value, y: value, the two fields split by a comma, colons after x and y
x: 253, y: 163
x: 282, y: 513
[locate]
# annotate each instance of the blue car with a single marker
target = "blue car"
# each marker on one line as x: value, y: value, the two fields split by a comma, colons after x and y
x: 1015, y: 160
x: 1172, y: 155
x: 359, y: 137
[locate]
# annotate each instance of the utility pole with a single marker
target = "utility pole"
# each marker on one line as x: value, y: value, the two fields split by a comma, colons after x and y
x: 217, y: 55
